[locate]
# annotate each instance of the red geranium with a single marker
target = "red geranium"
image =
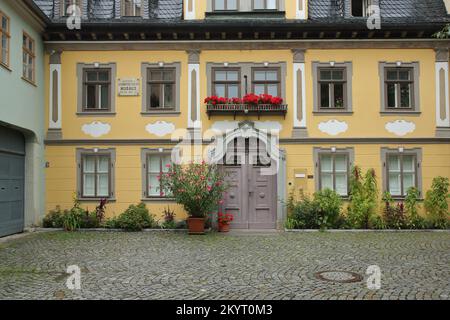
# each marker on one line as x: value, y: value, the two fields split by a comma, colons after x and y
x: 251, y: 98
x: 236, y: 100
x: 225, y: 218
x: 265, y: 98
x: 276, y: 100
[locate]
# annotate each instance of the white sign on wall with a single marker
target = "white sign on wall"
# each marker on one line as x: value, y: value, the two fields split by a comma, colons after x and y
x: 128, y: 87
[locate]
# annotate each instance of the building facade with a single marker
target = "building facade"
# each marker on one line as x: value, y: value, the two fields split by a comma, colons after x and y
x: 362, y: 83
x: 22, y: 125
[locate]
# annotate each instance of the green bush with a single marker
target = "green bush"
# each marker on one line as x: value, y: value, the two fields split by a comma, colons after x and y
x: 436, y: 203
x: 321, y: 212
x: 135, y: 218
x: 363, y: 199
x: 54, y: 218
x: 415, y: 221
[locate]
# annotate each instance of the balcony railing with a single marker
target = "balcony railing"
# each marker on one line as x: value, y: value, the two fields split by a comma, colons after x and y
x: 246, y: 109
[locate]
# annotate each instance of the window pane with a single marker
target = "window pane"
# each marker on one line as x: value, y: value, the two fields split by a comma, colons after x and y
x: 272, y: 75
x: 260, y: 76
x: 408, y: 181
x: 154, y: 186
x: 168, y: 75
x: 394, y: 184
x: 338, y: 95
x: 391, y: 100
x: 271, y: 4
x: 219, y: 4
x: 90, y: 96
x: 166, y: 159
x: 259, y: 89
x: 232, y: 4
x: 341, y: 183
x: 233, y: 91
x: 155, y: 75
x: 326, y: 181
x: 394, y: 163
x: 103, y: 185
x: 155, y: 92
x: 168, y: 96
x: 104, y: 95
x: 4, y: 23
x: 325, y: 75
x: 340, y: 163
x: 392, y: 75
x: 103, y: 164
x: 272, y: 89
x: 324, y: 95
x: 326, y: 164
x: 405, y: 95
x: 404, y: 75
x: 103, y: 76
x: 91, y: 76
x: 258, y: 4
x: 154, y: 164
x: 232, y: 75
x: 220, y: 90
x: 89, y: 164
x: 221, y: 75
x: 338, y: 75
x: 89, y: 185
x: 409, y: 163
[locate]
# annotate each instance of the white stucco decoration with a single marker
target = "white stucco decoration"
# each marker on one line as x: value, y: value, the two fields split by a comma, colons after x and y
x: 333, y: 127
x: 160, y: 128
x: 223, y: 126
x: 400, y: 127
x: 96, y: 129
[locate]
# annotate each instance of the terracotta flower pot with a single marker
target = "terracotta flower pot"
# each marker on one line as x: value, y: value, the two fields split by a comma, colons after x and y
x: 196, y: 225
x: 224, y: 227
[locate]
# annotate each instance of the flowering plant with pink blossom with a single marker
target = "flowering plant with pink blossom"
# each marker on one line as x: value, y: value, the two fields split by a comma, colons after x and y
x: 198, y: 187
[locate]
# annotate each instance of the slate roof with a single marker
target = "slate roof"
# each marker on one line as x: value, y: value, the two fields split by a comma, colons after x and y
x: 394, y: 11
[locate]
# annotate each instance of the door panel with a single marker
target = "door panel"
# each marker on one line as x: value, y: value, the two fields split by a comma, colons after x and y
x: 234, y: 198
x: 262, y: 200
x: 11, y: 193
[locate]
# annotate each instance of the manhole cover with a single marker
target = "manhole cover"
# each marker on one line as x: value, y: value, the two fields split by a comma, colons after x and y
x: 339, y: 276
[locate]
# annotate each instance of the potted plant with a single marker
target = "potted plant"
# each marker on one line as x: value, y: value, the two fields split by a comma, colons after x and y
x: 224, y: 221
x: 198, y: 187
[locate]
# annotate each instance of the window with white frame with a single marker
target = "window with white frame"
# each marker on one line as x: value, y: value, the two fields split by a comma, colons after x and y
x: 131, y: 8
x: 225, y: 5
x: 265, y: 4
x: 156, y: 165
x: 333, y: 169
x: 95, y: 175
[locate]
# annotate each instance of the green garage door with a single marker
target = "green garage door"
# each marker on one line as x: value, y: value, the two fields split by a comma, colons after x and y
x: 12, y: 174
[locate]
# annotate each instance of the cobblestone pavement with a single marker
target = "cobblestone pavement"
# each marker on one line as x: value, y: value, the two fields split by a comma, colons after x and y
x: 158, y: 265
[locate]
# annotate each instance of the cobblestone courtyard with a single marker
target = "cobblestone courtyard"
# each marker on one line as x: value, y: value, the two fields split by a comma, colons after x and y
x: 158, y: 265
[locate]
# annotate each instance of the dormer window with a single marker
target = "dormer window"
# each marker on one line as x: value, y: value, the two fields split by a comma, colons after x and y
x: 360, y: 8
x: 265, y: 4
x: 68, y: 4
x: 225, y: 5
x: 131, y: 8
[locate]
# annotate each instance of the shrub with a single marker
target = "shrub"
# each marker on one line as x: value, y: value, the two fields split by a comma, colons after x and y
x: 54, y: 218
x: 72, y: 219
x: 363, y: 198
x: 415, y: 221
x: 169, y: 219
x: 436, y: 203
x: 135, y: 218
x: 321, y: 212
x: 394, y: 215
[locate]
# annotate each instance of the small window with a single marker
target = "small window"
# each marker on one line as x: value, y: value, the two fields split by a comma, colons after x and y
x: 401, y: 173
x: 333, y: 172
x: 28, y: 48
x: 266, y: 81
x: 226, y: 82
x: 161, y: 89
x: 332, y: 88
x: 265, y: 4
x: 66, y: 4
x: 131, y: 8
x: 225, y: 5
x: 95, y: 176
x: 156, y: 165
x: 399, y: 88
x: 360, y: 8
x: 4, y: 39
x: 97, y: 90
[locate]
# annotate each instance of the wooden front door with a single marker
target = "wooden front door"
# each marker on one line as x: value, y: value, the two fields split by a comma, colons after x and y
x: 251, y: 198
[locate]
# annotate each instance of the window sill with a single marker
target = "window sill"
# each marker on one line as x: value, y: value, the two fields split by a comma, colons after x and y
x: 160, y: 112
x: 96, y: 199
x: 331, y: 112
x: 158, y: 199
x: 94, y: 113
x: 396, y: 112
x: 29, y: 82
x: 5, y: 66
